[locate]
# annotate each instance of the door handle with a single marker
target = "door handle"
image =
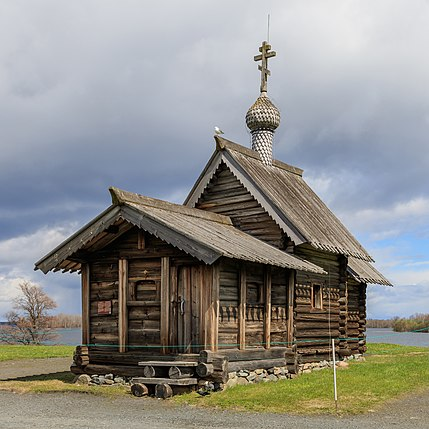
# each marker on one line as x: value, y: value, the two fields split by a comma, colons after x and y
x: 182, y: 306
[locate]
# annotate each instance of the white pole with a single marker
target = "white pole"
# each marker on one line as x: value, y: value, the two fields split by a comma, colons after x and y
x: 335, y: 375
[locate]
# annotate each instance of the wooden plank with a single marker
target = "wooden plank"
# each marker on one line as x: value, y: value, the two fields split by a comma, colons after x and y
x: 141, y: 241
x: 173, y: 332
x: 267, y: 307
x: 187, y: 317
x: 206, y: 299
x: 290, y: 305
x: 214, y: 313
x: 168, y: 363
x: 144, y: 303
x: 195, y: 301
x: 173, y: 382
x: 251, y: 365
x: 85, y: 303
x: 165, y: 303
x: 122, y: 303
x: 242, y: 309
x: 235, y: 354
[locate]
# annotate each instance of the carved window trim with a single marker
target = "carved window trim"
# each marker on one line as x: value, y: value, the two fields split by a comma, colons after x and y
x: 316, y: 296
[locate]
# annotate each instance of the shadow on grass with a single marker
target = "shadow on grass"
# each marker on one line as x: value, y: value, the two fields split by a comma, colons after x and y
x: 66, y: 377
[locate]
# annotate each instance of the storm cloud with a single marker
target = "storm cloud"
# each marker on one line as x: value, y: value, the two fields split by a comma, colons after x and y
x: 97, y: 93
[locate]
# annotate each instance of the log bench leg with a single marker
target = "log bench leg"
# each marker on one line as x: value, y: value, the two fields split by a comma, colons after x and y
x: 163, y: 391
x: 139, y: 390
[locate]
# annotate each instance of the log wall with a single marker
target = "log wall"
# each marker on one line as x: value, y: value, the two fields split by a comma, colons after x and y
x: 314, y: 327
x: 104, y: 282
x: 253, y: 306
x: 125, y: 304
x: 356, y: 317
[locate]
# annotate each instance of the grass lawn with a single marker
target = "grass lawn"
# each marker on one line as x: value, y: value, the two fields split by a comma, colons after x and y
x: 34, y: 352
x: 389, y: 371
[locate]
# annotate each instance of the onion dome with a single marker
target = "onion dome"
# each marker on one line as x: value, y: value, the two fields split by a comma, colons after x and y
x: 263, y: 115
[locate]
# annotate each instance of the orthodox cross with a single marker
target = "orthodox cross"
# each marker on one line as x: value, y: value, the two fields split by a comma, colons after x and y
x: 263, y: 56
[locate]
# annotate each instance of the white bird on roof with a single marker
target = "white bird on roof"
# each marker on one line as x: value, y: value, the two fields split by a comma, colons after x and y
x: 218, y: 131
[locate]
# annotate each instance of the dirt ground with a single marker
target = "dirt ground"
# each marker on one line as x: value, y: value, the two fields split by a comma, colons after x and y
x: 73, y: 410
x: 27, y: 367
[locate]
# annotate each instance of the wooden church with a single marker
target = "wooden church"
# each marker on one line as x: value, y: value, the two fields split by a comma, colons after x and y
x: 253, y: 271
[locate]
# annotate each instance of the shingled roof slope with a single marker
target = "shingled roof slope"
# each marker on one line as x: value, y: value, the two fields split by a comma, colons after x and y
x: 364, y: 272
x: 282, y: 191
x: 204, y: 235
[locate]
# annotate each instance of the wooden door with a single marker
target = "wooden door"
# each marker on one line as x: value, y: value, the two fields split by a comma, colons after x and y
x: 186, y: 309
x: 144, y: 304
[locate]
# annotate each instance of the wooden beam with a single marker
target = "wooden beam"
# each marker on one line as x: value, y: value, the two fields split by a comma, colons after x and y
x: 85, y: 279
x: 141, y: 240
x: 206, y: 301
x: 267, y: 307
x: 173, y: 316
x: 122, y: 304
x: 290, y: 303
x: 213, y: 328
x: 242, y: 308
x: 165, y: 303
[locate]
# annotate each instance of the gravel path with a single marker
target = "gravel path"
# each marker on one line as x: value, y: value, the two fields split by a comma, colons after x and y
x: 54, y: 411
x: 61, y: 410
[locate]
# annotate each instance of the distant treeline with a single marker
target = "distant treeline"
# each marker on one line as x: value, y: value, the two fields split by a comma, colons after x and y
x: 379, y: 323
x: 416, y: 322
x: 65, y: 321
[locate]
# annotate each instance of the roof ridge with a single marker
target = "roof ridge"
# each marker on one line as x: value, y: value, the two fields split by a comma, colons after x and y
x: 121, y: 197
x: 222, y: 144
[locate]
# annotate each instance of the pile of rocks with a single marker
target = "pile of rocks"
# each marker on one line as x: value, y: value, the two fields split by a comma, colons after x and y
x: 317, y: 366
x: 102, y: 380
x: 306, y: 368
x: 241, y: 377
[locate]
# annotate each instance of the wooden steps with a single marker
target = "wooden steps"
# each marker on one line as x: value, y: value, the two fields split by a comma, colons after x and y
x: 174, y: 382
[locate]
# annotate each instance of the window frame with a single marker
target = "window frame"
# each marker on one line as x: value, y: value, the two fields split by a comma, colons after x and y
x: 317, y: 296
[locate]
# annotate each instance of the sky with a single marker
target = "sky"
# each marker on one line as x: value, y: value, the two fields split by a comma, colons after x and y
x: 126, y: 93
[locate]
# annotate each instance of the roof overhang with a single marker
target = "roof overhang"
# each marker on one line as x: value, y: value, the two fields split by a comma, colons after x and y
x: 364, y: 272
x: 203, y: 235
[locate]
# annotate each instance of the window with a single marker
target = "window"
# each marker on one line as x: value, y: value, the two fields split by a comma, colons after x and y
x: 316, y: 296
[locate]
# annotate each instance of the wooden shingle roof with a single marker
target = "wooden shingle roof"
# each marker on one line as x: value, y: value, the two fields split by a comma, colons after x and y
x: 364, y: 272
x: 287, y: 198
x: 204, y: 235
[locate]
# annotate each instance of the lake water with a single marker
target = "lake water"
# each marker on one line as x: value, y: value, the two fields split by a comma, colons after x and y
x: 73, y: 337
x: 68, y: 337
x: 385, y: 335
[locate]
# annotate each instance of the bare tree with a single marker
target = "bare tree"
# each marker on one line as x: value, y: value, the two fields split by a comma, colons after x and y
x: 29, y: 321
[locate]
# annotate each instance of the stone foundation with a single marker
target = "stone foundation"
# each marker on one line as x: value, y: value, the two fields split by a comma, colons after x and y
x: 281, y: 373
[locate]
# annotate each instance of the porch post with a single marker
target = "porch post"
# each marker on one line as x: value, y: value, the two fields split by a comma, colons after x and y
x: 267, y: 307
x: 122, y: 304
x: 242, y: 308
x: 290, y: 303
x: 85, y: 279
x: 165, y: 303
